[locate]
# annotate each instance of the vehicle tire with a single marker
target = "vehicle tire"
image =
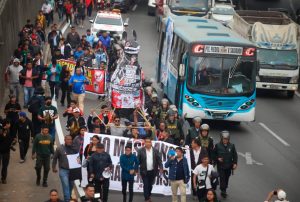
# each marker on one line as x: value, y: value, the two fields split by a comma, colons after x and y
x: 290, y: 94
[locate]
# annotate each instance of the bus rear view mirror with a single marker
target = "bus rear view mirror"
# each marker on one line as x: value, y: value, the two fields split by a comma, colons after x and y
x: 181, y: 70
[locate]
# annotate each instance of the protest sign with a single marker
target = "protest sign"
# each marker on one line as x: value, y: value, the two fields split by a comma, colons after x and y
x: 115, y: 146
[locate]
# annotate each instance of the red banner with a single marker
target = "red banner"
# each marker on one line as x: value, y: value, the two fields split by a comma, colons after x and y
x: 97, y: 81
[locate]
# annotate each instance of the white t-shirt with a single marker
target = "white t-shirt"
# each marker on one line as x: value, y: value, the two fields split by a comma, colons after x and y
x: 149, y: 159
x: 200, y: 171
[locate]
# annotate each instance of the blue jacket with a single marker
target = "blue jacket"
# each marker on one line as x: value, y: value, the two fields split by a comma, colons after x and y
x: 172, y: 165
x: 78, y: 54
x: 77, y: 82
x: 105, y: 41
x: 128, y: 163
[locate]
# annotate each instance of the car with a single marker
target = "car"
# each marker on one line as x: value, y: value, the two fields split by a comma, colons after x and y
x: 123, y: 5
x: 222, y: 11
x: 110, y: 21
x: 151, y: 7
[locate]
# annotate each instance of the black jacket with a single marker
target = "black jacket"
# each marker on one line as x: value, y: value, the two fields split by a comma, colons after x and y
x: 5, y: 140
x: 142, y: 157
x: 35, y: 72
x: 228, y: 153
x: 24, y: 129
x: 203, y: 153
x: 98, y: 162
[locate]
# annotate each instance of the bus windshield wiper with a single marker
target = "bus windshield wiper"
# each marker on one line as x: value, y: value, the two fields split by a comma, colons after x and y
x: 232, y: 70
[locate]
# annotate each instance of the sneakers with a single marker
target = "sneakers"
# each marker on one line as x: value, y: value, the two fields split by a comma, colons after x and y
x: 22, y: 161
x: 45, y: 184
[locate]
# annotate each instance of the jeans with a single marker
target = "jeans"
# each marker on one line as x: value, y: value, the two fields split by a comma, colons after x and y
x: 175, y: 184
x: 23, y: 145
x: 14, y: 88
x: 148, y: 184
x: 80, y: 100
x: 69, y: 18
x: 28, y: 93
x: 48, y: 18
x: 54, y: 88
x: 66, y: 184
x: 52, y: 132
x: 102, y: 186
x: 60, y: 11
x: 42, y: 161
x: 4, y: 161
x: 90, y: 9
x: 224, y: 178
x: 124, y: 188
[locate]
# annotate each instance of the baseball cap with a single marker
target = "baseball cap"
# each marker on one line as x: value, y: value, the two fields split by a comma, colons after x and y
x: 76, y: 110
x: 281, y: 195
x: 16, y: 60
x: 22, y: 114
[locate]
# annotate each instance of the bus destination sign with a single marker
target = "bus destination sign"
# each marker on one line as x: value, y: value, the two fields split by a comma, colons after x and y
x: 227, y: 50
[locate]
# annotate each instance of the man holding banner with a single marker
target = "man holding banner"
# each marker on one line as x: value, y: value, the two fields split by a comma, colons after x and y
x: 150, y: 164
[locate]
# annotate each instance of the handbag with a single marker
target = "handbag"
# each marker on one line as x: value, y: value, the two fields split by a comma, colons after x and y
x: 202, y: 183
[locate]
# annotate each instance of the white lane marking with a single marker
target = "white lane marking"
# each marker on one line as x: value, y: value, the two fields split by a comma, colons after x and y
x: 249, y: 159
x: 65, y: 27
x: 134, y: 7
x: 58, y: 127
x: 274, y: 134
x: 297, y: 93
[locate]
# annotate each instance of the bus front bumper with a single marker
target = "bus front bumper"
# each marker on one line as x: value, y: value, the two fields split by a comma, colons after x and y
x: 226, y: 115
x: 276, y: 86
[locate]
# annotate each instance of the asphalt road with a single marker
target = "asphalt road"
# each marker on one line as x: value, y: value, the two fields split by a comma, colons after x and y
x: 269, y: 157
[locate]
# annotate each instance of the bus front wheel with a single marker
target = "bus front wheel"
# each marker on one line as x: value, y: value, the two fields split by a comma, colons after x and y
x: 290, y: 94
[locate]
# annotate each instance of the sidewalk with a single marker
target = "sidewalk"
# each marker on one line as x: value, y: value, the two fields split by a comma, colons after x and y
x: 21, y: 178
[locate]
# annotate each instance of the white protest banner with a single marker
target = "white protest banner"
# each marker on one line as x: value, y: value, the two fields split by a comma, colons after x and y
x: 115, y: 146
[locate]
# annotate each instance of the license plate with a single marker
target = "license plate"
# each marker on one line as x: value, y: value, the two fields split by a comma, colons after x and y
x: 218, y: 116
x: 274, y: 87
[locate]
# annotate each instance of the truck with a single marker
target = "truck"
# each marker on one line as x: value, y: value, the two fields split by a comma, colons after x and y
x: 276, y: 37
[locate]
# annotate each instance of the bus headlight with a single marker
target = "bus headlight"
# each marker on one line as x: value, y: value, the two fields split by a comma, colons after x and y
x: 192, y: 101
x: 294, y: 79
x: 247, y: 104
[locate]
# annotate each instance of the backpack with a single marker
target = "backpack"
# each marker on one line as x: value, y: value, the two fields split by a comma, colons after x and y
x: 34, y: 105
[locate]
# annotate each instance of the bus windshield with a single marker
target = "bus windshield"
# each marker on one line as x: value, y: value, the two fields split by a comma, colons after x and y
x: 277, y: 59
x: 198, y: 5
x: 217, y: 76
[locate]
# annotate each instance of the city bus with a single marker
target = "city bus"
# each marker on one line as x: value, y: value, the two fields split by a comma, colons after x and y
x: 206, y: 69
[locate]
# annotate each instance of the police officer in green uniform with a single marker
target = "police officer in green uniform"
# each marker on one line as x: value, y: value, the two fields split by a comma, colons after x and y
x: 226, y: 158
x: 194, y: 131
x: 161, y: 113
x: 175, y: 128
x: 206, y: 141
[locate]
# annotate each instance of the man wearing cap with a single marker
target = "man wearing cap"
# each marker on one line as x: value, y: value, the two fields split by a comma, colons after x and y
x: 24, y: 131
x: 175, y: 128
x: 152, y: 105
x: 75, y: 123
x: 60, y: 155
x: 13, y: 72
x: 28, y: 79
x: 194, y: 131
x: 225, y: 156
x: 42, y: 149
x: 99, y: 165
x: 279, y: 194
x: 179, y: 174
x: 47, y: 115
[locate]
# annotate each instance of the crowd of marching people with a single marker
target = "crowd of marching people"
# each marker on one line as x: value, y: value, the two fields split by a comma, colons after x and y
x: 212, y: 163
